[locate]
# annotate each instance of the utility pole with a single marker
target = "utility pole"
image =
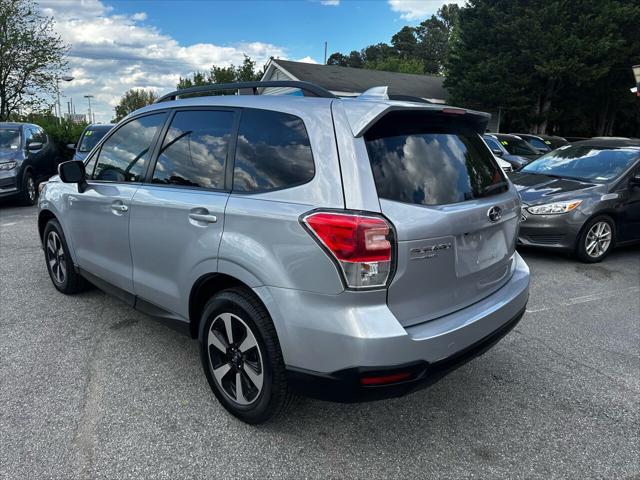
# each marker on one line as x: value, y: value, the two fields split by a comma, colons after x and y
x: 89, y: 97
x: 65, y: 78
x: 325, y: 52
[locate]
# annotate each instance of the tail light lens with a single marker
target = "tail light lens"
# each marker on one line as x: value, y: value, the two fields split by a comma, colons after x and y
x: 361, y: 245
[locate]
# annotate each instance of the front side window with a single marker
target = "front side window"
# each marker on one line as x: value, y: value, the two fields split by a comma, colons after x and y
x: 424, y: 162
x: 539, y: 144
x: 195, y: 149
x: 124, y: 156
x: 273, y: 152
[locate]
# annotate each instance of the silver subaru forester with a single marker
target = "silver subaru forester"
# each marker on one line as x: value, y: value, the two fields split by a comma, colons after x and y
x: 344, y: 249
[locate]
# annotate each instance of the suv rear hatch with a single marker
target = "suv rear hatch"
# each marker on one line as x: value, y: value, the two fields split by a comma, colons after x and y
x: 455, y: 215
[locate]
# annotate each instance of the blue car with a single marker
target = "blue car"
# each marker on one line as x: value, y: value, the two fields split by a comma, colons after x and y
x: 89, y: 139
x: 27, y: 155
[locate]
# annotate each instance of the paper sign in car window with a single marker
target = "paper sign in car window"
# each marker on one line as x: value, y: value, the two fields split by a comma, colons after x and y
x: 547, y: 142
x: 89, y: 133
x: 504, y: 142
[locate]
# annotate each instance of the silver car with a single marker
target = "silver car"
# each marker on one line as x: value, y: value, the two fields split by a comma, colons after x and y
x: 344, y: 249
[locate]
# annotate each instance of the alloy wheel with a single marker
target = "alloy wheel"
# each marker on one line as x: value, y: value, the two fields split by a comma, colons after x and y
x: 235, y: 359
x: 56, y: 257
x: 598, y: 239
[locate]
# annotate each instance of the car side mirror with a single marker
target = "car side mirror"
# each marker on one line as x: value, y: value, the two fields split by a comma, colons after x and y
x: 635, y: 180
x: 34, y: 146
x: 497, y: 152
x: 73, y: 172
x: 71, y: 146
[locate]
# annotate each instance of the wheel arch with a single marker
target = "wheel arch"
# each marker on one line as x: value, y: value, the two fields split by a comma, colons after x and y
x: 612, y: 214
x: 43, y: 218
x: 204, y: 288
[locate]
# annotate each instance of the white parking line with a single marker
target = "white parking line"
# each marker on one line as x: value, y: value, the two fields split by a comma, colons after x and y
x: 588, y: 298
x: 8, y: 224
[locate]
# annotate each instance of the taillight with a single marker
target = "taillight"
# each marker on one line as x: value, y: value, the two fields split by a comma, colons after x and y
x: 361, y: 245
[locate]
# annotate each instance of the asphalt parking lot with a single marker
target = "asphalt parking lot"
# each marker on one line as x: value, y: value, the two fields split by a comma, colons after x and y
x: 93, y: 389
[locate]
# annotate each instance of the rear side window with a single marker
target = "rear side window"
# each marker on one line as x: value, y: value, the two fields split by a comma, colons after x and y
x: 273, y: 152
x: 123, y: 156
x: 427, y: 162
x: 195, y: 149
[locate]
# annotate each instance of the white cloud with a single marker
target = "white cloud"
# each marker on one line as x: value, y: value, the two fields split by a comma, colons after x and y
x: 332, y: 3
x: 419, y: 9
x: 111, y: 53
x: 307, y: 59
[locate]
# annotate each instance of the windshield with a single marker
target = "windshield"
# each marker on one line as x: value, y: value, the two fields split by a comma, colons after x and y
x: 91, y: 138
x: 589, y: 163
x: 517, y: 146
x: 9, y: 139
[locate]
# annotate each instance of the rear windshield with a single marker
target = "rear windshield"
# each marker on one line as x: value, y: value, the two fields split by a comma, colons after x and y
x: 431, y: 163
x: 9, y: 139
x: 91, y: 138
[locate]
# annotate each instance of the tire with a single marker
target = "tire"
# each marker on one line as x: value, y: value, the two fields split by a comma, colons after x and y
x: 29, y: 190
x: 602, y: 231
x: 59, y: 264
x: 251, y: 358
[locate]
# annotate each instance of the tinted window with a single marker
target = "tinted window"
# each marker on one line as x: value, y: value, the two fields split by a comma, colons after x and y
x: 430, y: 164
x: 9, y: 139
x: 589, y: 163
x: 123, y: 156
x: 194, y: 150
x: 90, y: 139
x: 273, y: 152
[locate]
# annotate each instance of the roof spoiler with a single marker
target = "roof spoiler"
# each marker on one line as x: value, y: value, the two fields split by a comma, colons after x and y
x: 363, y: 115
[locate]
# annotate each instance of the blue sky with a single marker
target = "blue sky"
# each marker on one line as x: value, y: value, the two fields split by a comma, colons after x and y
x: 116, y: 45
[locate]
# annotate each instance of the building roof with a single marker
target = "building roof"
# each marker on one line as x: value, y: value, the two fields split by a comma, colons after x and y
x: 357, y: 80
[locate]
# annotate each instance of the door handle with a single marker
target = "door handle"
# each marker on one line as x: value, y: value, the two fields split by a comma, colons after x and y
x: 203, y: 217
x: 118, y: 207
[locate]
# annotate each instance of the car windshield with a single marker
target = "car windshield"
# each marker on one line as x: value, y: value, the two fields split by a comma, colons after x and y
x: 9, y: 139
x: 517, y: 146
x: 589, y: 163
x: 91, y: 138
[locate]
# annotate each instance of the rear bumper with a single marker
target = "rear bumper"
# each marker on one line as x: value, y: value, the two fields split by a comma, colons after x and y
x: 336, y: 338
x: 345, y: 386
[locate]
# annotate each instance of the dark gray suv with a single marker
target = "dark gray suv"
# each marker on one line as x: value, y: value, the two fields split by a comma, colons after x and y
x: 347, y: 249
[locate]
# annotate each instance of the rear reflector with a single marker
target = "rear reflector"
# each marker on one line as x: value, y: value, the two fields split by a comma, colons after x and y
x: 385, y: 379
x: 360, y: 244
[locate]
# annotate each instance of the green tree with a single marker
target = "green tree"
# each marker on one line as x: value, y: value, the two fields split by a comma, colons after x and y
x: 530, y: 57
x: 132, y: 100
x: 246, y: 72
x: 32, y: 56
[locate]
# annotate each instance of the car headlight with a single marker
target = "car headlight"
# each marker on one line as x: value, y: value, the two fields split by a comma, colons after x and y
x: 554, y: 208
x: 8, y: 165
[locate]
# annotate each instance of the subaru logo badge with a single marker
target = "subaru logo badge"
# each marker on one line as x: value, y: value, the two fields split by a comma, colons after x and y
x: 494, y: 213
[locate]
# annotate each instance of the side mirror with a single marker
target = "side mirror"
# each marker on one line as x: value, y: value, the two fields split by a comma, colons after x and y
x: 71, y: 146
x: 497, y: 152
x: 73, y: 172
x: 34, y: 146
x: 635, y: 180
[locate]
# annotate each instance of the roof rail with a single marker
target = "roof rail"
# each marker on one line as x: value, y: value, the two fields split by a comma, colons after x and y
x: 250, y: 88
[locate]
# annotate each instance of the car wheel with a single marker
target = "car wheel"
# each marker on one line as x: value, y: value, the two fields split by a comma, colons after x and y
x: 29, y: 190
x: 597, y: 239
x: 59, y: 264
x: 241, y: 356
